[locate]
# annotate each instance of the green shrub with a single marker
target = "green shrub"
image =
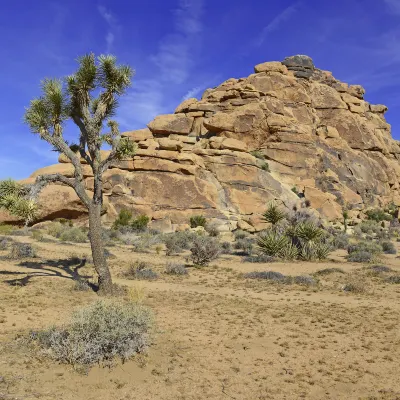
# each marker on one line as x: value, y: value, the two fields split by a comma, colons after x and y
x: 99, y: 333
x: 37, y: 235
x: 257, y: 154
x: 378, y: 215
x: 55, y: 229
x: 265, y: 167
x: 124, y: 219
x: 198, y: 220
x: 388, y: 247
x: 272, y: 244
x: 322, y: 250
x: 140, y: 222
x: 308, y: 232
x: 204, y: 250
x: 74, y: 235
x: 295, y: 190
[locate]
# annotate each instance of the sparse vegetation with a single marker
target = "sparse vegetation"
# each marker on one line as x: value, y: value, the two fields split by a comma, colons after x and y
x: 140, y: 223
x: 198, y: 220
x: 378, y: 215
x: 22, y: 250
x: 328, y: 271
x: 258, y: 258
x: 245, y: 245
x: 140, y: 270
x: 74, y: 235
x: 273, y: 214
x: 176, y: 269
x: 99, y: 333
x: 388, y: 247
x: 204, y: 250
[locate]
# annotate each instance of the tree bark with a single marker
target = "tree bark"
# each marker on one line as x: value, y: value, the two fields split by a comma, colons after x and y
x: 97, y: 245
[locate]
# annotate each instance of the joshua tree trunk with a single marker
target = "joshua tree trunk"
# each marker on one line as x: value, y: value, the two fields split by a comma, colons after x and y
x: 97, y: 245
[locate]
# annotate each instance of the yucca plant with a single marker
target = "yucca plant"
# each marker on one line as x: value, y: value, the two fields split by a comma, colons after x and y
x: 322, y: 250
x: 308, y: 232
x: 308, y: 252
x: 290, y: 252
x: 272, y: 244
x: 273, y: 214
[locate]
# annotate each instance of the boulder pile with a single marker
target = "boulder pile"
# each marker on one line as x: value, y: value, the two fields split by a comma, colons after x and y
x: 289, y: 132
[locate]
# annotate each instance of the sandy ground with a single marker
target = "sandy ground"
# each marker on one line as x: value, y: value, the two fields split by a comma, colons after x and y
x: 219, y: 336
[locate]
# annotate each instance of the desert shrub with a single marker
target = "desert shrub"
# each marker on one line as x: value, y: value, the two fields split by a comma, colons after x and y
x: 378, y: 215
x: 361, y: 256
x: 395, y: 279
x: 140, y: 270
x: 303, y: 215
x: 340, y: 241
x: 212, y: 229
x: 304, y: 280
x: 290, y: 252
x: 55, y: 229
x: 378, y: 270
x: 370, y: 247
x: 355, y: 284
x: 99, y: 333
x: 307, y: 252
x: 258, y: 258
x: 197, y: 220
x: 268, y: 275
x: 143, y: 243
x: 74, y: 234
x: 25, y: 231
x: 295, y: 190
x: 37, y: 235
x: 6, y: 229
x: 176, y: 243
x: 176, y: 269
x: 370, y: 226
x: 246, y: 245
x: 226, y: 248
x: 140, y: 222
x: 204, y: 249
x: 257, y: 154
x: 5, y: 243
x: 265, y: 167
x: 388, y: 247
x: 273, y: 214
x: 22, y: 250
x: 272, y: 244
x: 123, y: 219
x: 328, y: 271
x: 239, y: 234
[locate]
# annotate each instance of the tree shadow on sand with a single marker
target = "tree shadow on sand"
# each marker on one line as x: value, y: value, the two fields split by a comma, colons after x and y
x: 63, y: 268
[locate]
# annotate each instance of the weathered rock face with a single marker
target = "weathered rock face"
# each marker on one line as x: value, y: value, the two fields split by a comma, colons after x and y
x: 315, y: 132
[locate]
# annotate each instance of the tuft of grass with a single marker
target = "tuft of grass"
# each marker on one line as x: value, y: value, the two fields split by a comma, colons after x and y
x: 355, y: 284
x: 99, y: 333
x: 395, y: 279
x: 304, y: 280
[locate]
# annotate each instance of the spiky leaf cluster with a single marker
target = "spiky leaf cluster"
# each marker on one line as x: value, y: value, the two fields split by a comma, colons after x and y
x: 273, y: 214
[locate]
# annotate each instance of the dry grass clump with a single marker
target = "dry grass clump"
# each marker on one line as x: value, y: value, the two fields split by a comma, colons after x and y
x: 356, y: 283
x: 277, y: 277
x: 22, y: 250
x: 141, y: 270
x: 328, y: 271
x: 99, y: 333
x: 176, y: 269
x: 204, y: 250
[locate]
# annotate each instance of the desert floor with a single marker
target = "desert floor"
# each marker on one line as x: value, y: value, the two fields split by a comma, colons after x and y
x: 219, y: 335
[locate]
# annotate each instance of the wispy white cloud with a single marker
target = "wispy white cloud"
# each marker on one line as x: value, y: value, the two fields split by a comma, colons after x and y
x: 112, y: 24
x: 276, y: 23
x: 174, y: 61
x: 393, y: 5
x: 174, y: 56
x: 192, y: 92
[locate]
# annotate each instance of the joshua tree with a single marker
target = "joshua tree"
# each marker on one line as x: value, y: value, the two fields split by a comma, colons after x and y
x: 74, y: 99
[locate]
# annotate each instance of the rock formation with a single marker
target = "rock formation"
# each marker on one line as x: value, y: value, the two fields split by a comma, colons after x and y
x: 246, y: 142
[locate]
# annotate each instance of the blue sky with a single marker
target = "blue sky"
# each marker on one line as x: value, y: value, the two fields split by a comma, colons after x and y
x: 181, y: 47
